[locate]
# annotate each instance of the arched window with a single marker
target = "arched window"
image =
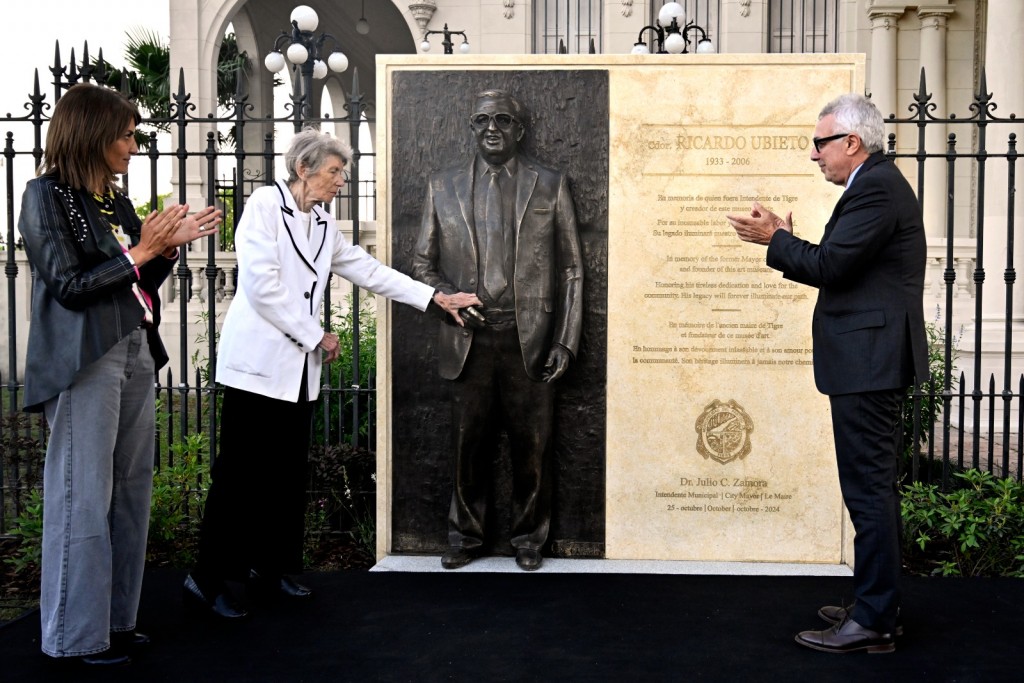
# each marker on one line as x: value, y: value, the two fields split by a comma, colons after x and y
x: 803, y: 26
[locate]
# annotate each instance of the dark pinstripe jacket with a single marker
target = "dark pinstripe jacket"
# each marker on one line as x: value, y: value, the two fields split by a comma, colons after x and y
x: 82, y: 301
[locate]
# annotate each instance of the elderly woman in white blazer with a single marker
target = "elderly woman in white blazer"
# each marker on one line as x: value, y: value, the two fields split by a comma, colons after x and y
x: 272, y: 345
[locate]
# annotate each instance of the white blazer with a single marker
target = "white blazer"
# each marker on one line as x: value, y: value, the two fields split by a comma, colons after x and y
x: 274, y: 323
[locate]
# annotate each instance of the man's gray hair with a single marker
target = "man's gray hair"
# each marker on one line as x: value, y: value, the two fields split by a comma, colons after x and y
x: 310, y: 148
x: 855, y: 113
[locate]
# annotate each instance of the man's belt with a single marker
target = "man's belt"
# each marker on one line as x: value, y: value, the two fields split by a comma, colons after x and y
x: 497, y: 316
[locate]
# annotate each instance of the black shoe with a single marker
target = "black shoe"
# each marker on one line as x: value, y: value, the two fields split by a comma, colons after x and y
x: 220, y: 605
x: 528, y: 559
x: 293, y: 589
x: 123, y: 640
x: 847, y: 636
x: 283, y: 586
x: 833, y: 615
x: 109, y: 657
x: 456, y: 557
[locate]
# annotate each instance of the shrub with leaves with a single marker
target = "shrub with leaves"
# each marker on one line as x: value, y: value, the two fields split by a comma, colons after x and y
x: 342, y: 494
x: 28, y: 527
x: 21, y: 456
x: 930, y: 394
x: 974, y: 530
x: 340, y: 372
x: 178, y: 496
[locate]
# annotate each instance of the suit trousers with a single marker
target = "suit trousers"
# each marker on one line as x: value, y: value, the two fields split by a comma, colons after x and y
x: 97, y: 483
x: 494, y: 394
x: 866, y: 427
x: 255, y: 508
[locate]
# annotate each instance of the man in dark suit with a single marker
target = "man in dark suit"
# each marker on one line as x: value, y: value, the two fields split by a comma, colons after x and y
x: 869, y: 346
x: 503, y: 227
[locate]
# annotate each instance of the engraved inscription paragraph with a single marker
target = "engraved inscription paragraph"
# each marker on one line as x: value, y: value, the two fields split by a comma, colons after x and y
x: 719, y: 445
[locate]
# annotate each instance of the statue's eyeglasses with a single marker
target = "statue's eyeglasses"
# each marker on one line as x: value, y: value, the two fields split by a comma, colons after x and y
x: 820, y: 142
x: 483, y: 121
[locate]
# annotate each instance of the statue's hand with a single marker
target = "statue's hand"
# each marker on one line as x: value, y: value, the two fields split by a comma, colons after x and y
x: 455, y: 304
x: 472, y: 317
x: 558, y: 362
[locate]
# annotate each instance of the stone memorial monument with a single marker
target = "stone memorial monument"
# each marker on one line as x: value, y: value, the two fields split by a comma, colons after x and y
x: 688, y: 427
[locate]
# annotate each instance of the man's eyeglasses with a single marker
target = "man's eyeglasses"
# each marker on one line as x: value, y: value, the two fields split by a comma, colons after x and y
x: 818, y: 142
x: 483, y: 121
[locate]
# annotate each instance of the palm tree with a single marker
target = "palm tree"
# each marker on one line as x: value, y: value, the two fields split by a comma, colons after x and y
x: 150, y: 57
x: 149, y: 81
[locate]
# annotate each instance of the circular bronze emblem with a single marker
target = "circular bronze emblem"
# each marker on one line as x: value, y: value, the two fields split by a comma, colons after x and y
x: 723, y: 432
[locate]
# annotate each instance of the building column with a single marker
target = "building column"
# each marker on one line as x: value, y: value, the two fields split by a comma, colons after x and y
x: 1004, y: 53
x: 882, y: 73
x: 933, y: 63
x: 192, y: 68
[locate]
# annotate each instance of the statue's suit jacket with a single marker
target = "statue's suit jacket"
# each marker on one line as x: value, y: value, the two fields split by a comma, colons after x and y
x: 868, y: 326
x: 548, y: 262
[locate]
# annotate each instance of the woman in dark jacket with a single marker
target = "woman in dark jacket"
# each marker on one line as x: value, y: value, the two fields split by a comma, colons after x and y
x: 93, y: 350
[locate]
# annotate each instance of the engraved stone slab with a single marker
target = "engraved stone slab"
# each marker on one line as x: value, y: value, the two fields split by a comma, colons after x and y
x: 716, y: 445
x: 719, y: 446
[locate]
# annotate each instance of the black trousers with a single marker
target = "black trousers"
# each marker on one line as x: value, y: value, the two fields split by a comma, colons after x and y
x: 866, y: 427
x: 256, y: 505
x: 494, y: 394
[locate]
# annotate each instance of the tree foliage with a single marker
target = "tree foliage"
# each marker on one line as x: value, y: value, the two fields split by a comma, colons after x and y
x: 148, y: 81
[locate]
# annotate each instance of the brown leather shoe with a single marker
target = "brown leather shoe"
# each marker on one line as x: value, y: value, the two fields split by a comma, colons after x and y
x: 528, y: 559
x: 456, y: 557
x: 847, y: 636
x: 833, y: 615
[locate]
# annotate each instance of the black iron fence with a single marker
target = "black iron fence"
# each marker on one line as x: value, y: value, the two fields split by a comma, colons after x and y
x: 954, y: 420
x: 187, y: 395
x: 968, y: 420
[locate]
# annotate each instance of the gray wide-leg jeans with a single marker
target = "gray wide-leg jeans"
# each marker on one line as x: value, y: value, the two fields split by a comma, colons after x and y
x: 97, y: 483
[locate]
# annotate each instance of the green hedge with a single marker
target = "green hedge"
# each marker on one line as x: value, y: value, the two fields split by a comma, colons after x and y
x: 976, y: 529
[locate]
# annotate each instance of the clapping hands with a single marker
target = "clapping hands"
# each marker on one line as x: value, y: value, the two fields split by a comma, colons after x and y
x: 164, y: 231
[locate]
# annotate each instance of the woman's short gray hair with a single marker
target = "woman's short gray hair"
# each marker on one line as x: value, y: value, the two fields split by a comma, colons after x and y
x: 310, y: 148
x: 855, y: 113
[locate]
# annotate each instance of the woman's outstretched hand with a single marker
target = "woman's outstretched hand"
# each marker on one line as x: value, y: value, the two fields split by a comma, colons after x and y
x: 164, y: 231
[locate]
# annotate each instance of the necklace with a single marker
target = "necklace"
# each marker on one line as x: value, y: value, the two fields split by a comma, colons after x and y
x: 105, y: 202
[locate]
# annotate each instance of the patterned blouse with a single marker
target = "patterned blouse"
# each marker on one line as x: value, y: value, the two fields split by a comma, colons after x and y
x: 105, y: 202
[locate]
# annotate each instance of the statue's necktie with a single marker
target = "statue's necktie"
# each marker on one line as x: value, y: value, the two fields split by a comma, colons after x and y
x: 494, y: 227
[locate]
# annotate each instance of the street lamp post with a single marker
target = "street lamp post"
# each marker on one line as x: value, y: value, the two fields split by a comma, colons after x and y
x: 304, y: 51
x: 447, y: 42
x: 669, y: 37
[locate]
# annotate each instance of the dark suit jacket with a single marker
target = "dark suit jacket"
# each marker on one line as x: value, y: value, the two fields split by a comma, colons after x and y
x: 82, y: 302
x: 548, y: 280
x: 868, y: 326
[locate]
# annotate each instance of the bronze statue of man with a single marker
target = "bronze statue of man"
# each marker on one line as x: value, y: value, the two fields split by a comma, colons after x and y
x: 502, y: 226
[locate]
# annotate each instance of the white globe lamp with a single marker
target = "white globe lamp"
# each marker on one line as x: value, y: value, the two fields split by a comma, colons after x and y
x: 305, y: 18
x: 337, y: 61
x: 274, y: 61
x: 297, y: 53
x: 670, y: 11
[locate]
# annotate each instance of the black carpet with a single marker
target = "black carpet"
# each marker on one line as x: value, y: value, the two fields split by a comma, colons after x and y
x: 383, y: 626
